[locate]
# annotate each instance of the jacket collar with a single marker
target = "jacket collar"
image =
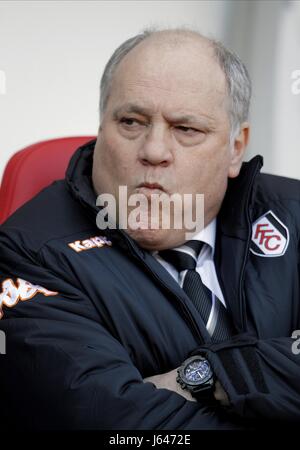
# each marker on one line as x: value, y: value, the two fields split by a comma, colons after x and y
x: 79, y: 176
x: 236, y: 211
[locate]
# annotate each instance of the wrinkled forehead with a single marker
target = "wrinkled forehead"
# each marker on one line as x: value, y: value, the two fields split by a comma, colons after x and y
x: 183, y: 75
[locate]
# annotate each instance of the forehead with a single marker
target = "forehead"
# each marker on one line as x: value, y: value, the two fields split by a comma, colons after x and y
x: 186, y: 77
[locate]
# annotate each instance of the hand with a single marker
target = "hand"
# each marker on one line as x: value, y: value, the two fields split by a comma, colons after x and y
x: 220, y: 395
x: 168, y: 381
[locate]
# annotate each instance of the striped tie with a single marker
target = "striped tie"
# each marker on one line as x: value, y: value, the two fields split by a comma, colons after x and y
x: 211, y: 309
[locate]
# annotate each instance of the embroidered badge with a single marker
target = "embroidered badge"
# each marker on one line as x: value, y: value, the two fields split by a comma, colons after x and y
x: 87, y: 244
x: 270, y: 237
x: 23, y: 290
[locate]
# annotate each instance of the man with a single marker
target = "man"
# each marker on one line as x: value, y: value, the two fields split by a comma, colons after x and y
x: 100, y: 321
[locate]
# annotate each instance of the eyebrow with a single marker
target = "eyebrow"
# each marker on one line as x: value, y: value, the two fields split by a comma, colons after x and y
x: 138, y: 109
x: 132, y: 108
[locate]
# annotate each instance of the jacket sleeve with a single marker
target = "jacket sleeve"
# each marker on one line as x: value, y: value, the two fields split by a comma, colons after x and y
x: 64, y: 370
x: 260, y: 377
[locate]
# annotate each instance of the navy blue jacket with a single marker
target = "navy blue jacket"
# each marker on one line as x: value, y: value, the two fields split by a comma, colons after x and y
x: 88, y: 314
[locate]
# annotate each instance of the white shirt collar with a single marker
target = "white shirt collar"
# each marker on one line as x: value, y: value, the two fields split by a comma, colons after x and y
x: 208, y: 234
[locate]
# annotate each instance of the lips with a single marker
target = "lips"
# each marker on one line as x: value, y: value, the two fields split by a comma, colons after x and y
x: 151, y: 186
x: 148, y: 189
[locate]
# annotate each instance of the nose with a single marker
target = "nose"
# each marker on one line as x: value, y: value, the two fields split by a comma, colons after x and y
x: 156, y: 147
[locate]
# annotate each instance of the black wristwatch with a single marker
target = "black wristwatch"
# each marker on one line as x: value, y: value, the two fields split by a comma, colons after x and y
x: 196, y: 376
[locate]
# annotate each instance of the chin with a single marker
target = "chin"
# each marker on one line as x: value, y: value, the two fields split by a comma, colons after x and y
x: 148, y: 239
x: 156, y: 239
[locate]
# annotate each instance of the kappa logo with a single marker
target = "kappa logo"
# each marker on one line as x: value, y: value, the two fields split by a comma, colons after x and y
x: 87, y: 244
x: 23, y: 290
x: 270, y: 237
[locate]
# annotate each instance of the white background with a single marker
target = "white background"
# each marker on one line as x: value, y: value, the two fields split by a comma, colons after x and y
x: 52, y: 55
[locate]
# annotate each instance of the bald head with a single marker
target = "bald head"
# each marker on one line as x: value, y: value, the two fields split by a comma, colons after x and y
x: 173, y: 38
x: 172, y: 46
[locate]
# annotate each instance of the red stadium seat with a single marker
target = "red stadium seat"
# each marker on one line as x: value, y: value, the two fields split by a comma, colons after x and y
x: 33, y: 168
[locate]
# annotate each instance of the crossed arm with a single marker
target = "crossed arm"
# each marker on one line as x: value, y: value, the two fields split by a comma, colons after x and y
x: 168, y: 381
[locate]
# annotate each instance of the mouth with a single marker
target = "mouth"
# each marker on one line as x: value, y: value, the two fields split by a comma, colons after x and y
x: 151, y: 186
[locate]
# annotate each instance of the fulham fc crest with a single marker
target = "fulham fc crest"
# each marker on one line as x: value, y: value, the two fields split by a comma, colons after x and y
x: 270, y: 237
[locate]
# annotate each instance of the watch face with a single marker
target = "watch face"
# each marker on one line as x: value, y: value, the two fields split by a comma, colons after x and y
x: 197, y: 371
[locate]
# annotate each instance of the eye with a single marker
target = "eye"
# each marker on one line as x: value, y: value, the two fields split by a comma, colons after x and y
x: 187, y: 130
x: 129, y: 121
x: 188, y: 135
x: 130, y: 127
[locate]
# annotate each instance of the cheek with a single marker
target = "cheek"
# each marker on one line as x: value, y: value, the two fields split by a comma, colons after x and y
x: 116, y: 155
x: 217, y: 179
x: 207, y: 172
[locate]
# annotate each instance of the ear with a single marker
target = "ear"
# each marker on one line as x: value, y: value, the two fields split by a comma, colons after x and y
x: 238, y: 150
